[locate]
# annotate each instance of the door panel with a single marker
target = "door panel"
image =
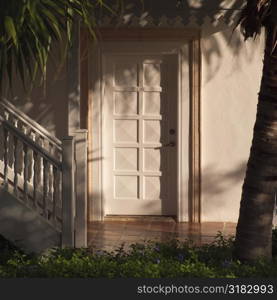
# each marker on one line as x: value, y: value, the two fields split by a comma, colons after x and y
x: 139, y: 153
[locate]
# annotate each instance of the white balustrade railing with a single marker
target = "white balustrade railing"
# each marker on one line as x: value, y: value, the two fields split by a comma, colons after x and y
x: 41, y: 172
x: 39, y: 184
x: 30, y: 127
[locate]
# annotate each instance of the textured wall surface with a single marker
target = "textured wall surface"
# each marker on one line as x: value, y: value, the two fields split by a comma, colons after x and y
x: 231, y: 74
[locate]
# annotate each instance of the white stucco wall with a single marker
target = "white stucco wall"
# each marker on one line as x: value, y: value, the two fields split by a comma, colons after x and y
x: 231, y: 74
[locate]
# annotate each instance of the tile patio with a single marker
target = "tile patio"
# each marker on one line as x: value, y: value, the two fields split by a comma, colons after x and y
x: 112, y: 233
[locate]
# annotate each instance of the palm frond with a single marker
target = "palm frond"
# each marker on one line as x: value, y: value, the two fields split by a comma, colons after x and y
x: 28, y: 28
x: 254, y: 16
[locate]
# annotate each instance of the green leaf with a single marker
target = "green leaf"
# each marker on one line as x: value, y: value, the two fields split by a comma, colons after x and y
x: 29, y: 27
x: 10, y: 29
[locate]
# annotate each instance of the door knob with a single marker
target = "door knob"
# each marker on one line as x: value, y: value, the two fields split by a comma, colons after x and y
x: 171, y: 144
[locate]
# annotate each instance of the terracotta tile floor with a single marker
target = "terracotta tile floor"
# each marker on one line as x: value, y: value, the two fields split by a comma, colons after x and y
x: 111, y: 234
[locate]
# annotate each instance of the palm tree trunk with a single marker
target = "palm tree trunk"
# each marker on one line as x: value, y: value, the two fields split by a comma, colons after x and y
x: 254, y: 229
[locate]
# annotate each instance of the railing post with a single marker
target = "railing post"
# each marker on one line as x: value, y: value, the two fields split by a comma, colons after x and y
x: 81, y: 188
x: 68, y: 197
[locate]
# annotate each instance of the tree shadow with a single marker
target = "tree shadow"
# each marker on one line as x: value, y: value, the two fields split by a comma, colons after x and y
x: 216, y: 182
x: 215, y: 19
x: 218, y: 188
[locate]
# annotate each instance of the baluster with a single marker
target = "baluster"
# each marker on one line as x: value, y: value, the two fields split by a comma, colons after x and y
x: 57, y: 153
x: 22, y: 157
x: 55, y: 194
x: 50, y: 183
x: 45, y: 186
x: 25, y: 171
x: 6, y: 115
x: 35, y: 178
x: 32, y: 160
x: 51, y: 170
x: 15, y: 159
x: 40, y: 141
x: 15, y: 122
x: 6, y: 142
x: 15, y: 164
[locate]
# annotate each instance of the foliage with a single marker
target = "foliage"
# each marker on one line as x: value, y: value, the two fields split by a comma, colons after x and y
x: 257, y: 14
x: 7, y: 250
x: 152, y: 260
x: 254, y: 16
x: 28, y: 28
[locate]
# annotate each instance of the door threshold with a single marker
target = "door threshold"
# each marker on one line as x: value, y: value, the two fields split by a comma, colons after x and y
x: 140, y: 218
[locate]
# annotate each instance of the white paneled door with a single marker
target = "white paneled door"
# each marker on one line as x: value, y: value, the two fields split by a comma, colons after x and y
x: 139, y: 134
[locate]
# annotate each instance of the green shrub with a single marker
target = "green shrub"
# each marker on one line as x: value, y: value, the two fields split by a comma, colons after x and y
x: 150, y: 260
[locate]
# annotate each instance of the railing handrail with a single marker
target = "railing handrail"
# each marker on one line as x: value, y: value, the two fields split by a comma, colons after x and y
x: 31, y: 123
x: 33, y: 145
x: 40, y: 176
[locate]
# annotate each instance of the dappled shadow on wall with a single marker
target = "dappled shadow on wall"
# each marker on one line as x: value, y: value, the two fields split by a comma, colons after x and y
x: 45, y: 99
x: 217, y: 183
x: 214, y: 19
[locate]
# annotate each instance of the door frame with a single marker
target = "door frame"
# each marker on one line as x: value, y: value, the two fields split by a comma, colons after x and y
x: 185, y: 43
